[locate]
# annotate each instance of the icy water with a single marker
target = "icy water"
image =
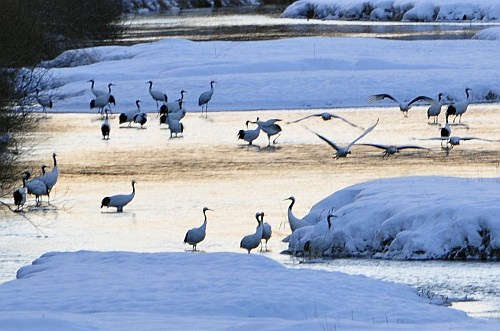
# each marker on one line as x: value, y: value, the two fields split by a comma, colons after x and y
x: 209, y: 167
x: 262, y: 23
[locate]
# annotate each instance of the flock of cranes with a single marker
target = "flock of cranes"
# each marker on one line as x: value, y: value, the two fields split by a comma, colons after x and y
x: 456, y: 108
x: 38, y: 186
x: 262, y: 233
x: 171, y: 113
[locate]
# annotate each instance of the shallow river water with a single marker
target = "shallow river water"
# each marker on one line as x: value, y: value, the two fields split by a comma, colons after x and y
x: 209, y: 167
x: 263, y: 23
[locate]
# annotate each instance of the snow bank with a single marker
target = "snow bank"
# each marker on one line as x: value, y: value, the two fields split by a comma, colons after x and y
x: 408, y: 218
x: 296, y: 73
x: 488, y: 34
x: 402, y: 10
x: 195, y: 291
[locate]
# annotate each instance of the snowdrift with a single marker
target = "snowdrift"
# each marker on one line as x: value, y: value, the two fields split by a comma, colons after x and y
x: 406, y: 11
x: 191, y: 291
x: 408, y: 218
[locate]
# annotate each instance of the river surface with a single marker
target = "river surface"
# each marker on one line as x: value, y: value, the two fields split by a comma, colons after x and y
x: 209, y: 167
x: 263, y: 23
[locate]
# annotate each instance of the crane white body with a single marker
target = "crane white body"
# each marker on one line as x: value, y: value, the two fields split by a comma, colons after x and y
x: 327, y: 117
x: 452, y: 141
x: 50, y: 178
x: 249, y: 135
x: 141, y: 118
x: 404, y: 106
x: 205, y: 98
x: 103, y: 100
x: 176, y: 114
x: 157, y: 95
x: 36, y: 187
x: 105, y: 127
x: 94, y: 91
x: 266, y: 230
x: 174, y: 125
x: 128, y: 117
x: 295, y: 222
x: 317, y: 243
x: 43, y: 100
x: 270, y: 128
x: 343, y: 151
x: 173, y: 107
x: 120, y: 200
x: 393, y: 149
x: 459, y: 108
x: 252, y: 241
x: 435, y: 106
x: 196, y: 235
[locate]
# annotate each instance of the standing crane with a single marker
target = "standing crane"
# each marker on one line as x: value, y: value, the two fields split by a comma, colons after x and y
x: 205, y: 97
x: 252, y: 241
x: 157, y: 95
x: 120, y: 200
x: 196, y: 235
x: 43, y: 100
x: 105, y: 127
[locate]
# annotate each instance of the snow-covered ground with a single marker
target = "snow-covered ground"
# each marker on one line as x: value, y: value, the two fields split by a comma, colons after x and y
x: 400, y: 10
x: 376, y: 10
x: 407, y: 218
x: 209, y: 291
x: 280, y: 74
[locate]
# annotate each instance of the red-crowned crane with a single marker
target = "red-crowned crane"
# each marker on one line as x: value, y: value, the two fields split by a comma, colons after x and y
x: 205, y: 97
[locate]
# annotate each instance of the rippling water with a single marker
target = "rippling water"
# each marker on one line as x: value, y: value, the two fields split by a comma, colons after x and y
x: 176, y: 178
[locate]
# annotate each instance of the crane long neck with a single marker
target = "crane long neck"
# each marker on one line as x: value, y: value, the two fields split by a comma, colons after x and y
x: 133, y: 187
x: 54, y: 157
x: 291, y: 205
x: 205, y: 215
x: 329, y: 221
x: 150, y: 85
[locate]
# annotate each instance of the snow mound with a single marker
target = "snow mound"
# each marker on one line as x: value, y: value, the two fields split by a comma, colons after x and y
x: 409, y: 218
x: 202, y: 291
x: 488, y: 34
x: 416, y: 10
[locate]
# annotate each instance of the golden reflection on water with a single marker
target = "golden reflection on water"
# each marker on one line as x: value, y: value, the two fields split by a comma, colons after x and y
x: 208, y: 166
